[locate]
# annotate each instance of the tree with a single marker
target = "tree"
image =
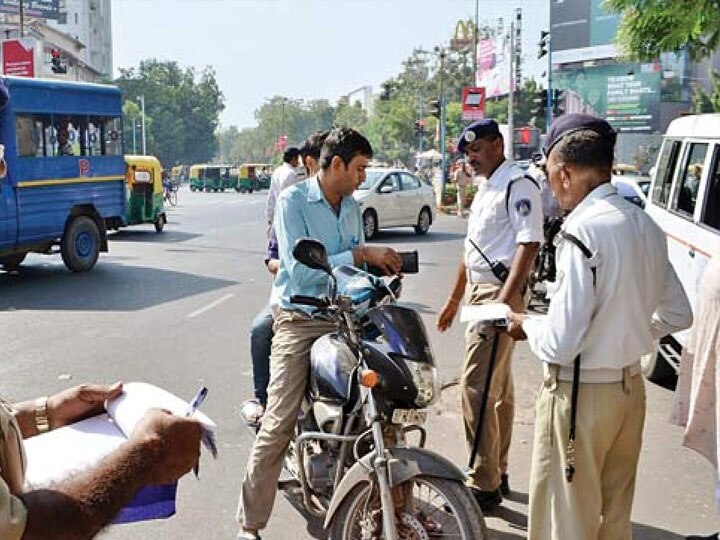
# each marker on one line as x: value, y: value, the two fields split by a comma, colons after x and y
x: 184, y: 108
x: 651, y: 27
x: 707, y: 102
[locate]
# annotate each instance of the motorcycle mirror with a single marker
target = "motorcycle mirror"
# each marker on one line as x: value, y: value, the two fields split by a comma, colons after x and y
x: 312, y: 254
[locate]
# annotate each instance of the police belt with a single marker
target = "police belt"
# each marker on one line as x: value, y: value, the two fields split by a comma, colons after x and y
x: 555, y: 372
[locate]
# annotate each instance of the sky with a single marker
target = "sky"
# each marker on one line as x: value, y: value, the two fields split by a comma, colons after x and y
x: 302, y: 49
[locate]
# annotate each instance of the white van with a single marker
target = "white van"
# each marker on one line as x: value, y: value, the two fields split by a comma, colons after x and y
x: 684, y: 199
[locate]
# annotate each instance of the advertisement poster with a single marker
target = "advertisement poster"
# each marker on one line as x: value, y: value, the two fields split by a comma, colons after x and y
x: 473, y: 103
x: 626, y: 95
x: 19, y: 57
x: 493, y: 65
x: 582, y: 24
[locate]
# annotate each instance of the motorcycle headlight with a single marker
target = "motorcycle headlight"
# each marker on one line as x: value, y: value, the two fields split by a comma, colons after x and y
x: 425, y: 378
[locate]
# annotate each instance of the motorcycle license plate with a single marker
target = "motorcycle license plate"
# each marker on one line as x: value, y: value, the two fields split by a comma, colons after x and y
x: 409, y: 416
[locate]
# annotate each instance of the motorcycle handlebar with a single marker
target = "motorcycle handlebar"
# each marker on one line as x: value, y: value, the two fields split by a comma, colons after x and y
x: 309, y: 301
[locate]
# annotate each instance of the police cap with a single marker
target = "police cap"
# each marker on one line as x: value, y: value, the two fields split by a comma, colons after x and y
x: 572, y: 123
x: 481, y: 128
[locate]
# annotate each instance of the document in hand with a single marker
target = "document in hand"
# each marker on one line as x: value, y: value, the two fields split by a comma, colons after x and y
x: 486, y: 314
x: 60, y: 453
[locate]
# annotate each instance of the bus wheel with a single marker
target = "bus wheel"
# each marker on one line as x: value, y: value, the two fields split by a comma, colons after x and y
x: 12, y: 262
x: 80, y: 245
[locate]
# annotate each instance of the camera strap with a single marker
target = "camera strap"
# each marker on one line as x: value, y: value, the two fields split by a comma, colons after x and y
x: 570, y: 450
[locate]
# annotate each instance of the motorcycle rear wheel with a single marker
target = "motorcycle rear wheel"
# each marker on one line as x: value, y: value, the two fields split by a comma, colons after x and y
x: 438, y: 503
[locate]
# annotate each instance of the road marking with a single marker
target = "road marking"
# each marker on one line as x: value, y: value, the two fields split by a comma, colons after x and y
x: 210, y: 306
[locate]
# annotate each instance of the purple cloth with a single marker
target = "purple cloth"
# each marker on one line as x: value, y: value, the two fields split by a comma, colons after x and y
x: 151, y: 502
x: 272, y: 249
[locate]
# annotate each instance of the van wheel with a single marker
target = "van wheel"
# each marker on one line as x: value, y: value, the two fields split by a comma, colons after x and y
x: 12, y: 262
x: 370, y: 224
x: 80, y: 245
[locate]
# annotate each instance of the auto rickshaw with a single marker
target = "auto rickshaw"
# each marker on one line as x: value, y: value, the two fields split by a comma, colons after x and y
x: 253, y: 177
x: 144, y: 188
x: 177, y: 174
x: 209, y: 177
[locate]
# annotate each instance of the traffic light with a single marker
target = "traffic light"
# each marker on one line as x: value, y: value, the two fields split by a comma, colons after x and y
x: 436, y: 108
x: 56, y: 63
x: 559, y: 102
x: 540, y: 103
x: 544, y: 43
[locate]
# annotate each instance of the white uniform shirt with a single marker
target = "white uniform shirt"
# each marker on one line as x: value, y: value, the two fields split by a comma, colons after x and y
x: 284, y: 176
x: 637, y: 298
x: 498, y: 230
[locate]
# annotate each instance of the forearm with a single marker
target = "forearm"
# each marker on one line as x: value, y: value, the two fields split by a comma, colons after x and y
x: 458, y: 290
x: 80, y: 507
x: 519, y: 271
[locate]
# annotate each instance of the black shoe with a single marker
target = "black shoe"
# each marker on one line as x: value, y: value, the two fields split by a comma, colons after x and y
x: 711, y: 537
x: 488, y: 500
x: 504, y: 485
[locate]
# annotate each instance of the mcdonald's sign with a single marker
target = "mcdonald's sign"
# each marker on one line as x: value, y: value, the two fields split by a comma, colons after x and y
x: 464, y: 36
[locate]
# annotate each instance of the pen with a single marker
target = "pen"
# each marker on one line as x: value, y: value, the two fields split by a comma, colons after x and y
x: 194, y: 405
x: 197, y: 401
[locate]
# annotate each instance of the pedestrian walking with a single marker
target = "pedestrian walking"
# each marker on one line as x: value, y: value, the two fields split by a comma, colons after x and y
x: 505, y: 227
x: 615, y: 292
x: 283, y: 177
x: 462, y: 179
x: 697, y: 395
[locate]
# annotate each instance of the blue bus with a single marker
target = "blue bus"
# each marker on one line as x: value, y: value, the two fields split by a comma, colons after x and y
x: 64, y: 186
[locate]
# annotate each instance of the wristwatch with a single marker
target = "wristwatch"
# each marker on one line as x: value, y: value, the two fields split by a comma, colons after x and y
x: 41, y: 418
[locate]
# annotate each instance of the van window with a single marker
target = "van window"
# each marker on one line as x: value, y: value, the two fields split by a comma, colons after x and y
x: 711, y: 214
x: 689, y: 181
x: 665, y: 172
x: 31, y: 134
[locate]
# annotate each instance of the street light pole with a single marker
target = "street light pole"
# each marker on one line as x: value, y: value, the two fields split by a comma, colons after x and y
x: 142, y: 104
x: 134, y: 121
x: 475, y: 45
x: 443, y: 150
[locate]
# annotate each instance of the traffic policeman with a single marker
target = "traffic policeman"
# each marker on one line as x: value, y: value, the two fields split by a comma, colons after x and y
x: 614, y: 294
x: 503, y: 238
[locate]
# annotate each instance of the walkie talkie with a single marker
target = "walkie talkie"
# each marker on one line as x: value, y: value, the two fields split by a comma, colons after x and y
x: 498, y: 269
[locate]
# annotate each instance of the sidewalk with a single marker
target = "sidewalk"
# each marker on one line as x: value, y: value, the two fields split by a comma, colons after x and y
x: 674, y: 490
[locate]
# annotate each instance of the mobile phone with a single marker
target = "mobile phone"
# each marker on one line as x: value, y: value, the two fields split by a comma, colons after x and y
x: 409, y: 262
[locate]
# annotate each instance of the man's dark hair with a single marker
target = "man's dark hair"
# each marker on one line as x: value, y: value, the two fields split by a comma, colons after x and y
x: 313, y: 145
x: 586, y: 148
x: 346, y: 143
x: 290, y: 154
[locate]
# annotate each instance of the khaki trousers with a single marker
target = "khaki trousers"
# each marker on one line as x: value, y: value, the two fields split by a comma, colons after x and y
x: 492, y: 457
x: 289, y: 366
x: 596, y: 505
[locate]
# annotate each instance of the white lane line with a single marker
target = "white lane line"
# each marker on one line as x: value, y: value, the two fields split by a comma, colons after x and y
x: 210, y: 306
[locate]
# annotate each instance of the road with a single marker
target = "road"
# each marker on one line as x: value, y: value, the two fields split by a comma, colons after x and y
x: 175, y: 309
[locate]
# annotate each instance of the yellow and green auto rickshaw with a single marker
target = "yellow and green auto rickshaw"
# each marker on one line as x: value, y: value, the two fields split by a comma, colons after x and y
x: 144, y: 188
x: 178, y: 174
x: 253, y: 177
x: 209, y: 177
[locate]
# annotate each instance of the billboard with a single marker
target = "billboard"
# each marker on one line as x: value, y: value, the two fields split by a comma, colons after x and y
x: 18, y: 57
x: 626, y: 95
x: 42, y: 9
x: 578, y: 24
x: 493, y: 65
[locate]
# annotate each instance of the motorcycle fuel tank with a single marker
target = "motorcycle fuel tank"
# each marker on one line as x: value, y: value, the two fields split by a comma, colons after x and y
x: 332, y: 365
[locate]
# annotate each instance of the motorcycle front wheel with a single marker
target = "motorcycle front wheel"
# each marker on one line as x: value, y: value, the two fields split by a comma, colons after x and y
x: 439, y: 508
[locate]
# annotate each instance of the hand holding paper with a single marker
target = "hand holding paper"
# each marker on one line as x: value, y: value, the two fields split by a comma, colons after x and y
x: 496, y: 314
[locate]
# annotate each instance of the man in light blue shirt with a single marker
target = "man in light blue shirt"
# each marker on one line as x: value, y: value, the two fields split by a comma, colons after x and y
x: 321, y: 207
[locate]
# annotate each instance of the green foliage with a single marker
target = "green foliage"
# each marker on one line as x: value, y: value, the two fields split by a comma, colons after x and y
x: 651, y: 27
x: 182, y: 110
x: 707, y: 102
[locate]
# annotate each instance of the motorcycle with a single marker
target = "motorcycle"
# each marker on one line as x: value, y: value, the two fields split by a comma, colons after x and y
x: 369, y: 386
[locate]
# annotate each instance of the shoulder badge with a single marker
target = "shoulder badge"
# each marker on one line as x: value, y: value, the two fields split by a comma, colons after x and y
x: 523, y: 207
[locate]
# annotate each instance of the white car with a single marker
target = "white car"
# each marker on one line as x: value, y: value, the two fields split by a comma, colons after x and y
x: 395, y: 198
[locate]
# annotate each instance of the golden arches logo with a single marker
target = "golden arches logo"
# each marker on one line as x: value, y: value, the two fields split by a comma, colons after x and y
x: 464, y: 35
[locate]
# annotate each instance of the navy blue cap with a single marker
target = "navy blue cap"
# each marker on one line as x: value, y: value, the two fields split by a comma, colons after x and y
x: 477, y: 130
x: 571, y: 123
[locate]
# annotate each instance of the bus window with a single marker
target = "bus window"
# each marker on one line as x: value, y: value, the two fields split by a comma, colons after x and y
x: 30, y: 134
x: 94, y: 140
x: 112, y: 136
x: 711, y: 215
x: 689, y: 181
x: 665, y: 172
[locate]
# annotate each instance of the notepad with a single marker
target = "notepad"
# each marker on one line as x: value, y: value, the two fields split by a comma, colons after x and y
x: 496, y: 314
x: 58, y: 454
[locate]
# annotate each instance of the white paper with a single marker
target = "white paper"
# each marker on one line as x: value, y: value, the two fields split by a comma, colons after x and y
x: 59, y: 453
x: 497, y: 314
